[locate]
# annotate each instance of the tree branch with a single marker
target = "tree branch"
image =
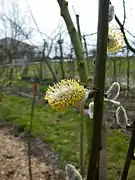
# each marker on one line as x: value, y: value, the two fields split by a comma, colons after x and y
x: 123, y: 32
x: 82, y: 68
x: 124, y: 12
x: 130, y: 155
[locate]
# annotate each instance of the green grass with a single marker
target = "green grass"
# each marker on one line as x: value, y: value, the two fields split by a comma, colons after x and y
x: 61, y: 131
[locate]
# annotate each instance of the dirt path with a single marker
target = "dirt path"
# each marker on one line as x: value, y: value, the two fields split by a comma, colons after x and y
x: 13, y: 160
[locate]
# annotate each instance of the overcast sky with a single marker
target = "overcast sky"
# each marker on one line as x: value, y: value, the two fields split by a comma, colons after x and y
x: 47, y: 14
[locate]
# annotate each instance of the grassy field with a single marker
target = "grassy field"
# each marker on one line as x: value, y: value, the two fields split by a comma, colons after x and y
x: 61, y: 131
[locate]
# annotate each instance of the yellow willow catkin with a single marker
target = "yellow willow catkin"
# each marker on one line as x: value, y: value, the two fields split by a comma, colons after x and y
x: 116, y: 40
x: 66, y: 93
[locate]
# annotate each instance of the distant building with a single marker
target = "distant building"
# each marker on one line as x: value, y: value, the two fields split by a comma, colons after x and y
x: 12, y: 49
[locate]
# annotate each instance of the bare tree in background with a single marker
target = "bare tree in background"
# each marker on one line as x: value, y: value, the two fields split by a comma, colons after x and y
x: 45, y: 58
x: 60, y: 42
x: 15, y: 31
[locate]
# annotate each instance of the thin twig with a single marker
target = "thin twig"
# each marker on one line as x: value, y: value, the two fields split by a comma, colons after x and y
x: 124, y: 12
x: 29, y: 137
x: 130, y: 155
x: 82, y: 139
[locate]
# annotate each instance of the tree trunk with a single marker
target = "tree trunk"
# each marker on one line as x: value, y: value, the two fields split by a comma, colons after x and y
x: 78, y: 27
x: 99, y: 83
x: 103, y: 155
x: 82, y: 68
x: 114, y: 70
x: 86, y: 52
x: 48, y: 64
x: 60, y: 42
x: 128, y: 72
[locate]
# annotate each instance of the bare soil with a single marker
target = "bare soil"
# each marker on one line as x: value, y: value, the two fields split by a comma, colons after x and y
x: 14, y: 161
